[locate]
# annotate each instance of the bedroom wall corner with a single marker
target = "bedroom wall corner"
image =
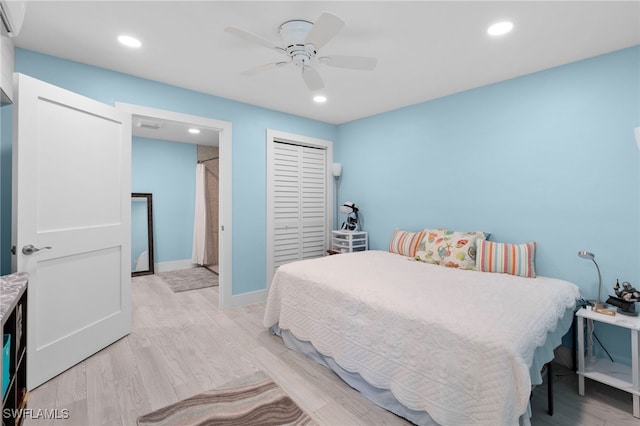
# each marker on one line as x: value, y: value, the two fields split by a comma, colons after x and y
x: 547, y: 157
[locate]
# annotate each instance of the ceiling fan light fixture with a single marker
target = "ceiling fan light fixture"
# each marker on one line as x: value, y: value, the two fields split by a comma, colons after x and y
x: 500, y: 28
x: 300, y: 59
x: 319, y: 99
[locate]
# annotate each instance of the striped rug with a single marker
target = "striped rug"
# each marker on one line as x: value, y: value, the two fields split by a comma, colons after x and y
x: 251, y: 400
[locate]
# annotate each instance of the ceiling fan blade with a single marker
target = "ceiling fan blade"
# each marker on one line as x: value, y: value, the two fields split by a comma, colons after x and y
x: 252, y: 38
x: 262, y: 68
x: 312, y: 79
x: 351, y: 62
x: 324, y: 29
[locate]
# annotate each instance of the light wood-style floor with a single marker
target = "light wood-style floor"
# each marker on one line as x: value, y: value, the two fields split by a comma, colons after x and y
x: 182, y: 344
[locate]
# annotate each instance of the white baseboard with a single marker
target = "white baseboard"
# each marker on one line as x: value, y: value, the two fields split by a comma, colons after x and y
x: 235, y: 301
x: 174, y: 265
x: 245, y: 299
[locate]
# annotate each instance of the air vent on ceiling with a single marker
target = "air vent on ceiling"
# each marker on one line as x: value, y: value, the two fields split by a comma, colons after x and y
x: 145, y: 124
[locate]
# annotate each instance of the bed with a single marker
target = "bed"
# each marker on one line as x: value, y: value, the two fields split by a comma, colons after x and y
x: 436, y: 345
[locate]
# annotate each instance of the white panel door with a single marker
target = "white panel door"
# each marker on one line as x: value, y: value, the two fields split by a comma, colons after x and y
x: 72, y: 179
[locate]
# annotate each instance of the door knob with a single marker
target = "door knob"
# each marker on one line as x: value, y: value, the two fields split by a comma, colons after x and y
x: 30, y: 249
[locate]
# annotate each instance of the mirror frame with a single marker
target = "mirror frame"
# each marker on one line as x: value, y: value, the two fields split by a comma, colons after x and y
x: 149, y: 197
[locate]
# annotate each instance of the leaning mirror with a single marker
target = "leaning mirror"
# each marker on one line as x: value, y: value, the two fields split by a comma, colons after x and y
x: 141, y: 234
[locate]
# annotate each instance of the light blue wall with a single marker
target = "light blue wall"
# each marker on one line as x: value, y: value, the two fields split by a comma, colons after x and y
x: 168, y: 171
x: 549, y: 157
x: 249, y: 147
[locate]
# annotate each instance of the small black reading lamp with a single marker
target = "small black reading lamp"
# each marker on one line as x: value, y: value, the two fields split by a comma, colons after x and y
x: 598, y: 306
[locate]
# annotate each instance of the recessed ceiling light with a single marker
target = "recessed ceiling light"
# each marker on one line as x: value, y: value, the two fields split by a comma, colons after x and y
x: 319, y: 99
x: 129, y: 41
x: 500, y: 28
x: 194, y: 131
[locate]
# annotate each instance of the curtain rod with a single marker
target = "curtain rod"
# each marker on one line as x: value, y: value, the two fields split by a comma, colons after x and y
x: 208, y: 159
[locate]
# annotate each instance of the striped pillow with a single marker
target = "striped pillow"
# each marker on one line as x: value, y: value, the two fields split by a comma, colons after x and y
x: 405, y: 243
x: 514, y: 259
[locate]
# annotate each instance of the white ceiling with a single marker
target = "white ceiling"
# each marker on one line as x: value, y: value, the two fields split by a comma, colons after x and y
x: 425, y: 49
x: 174, y: 131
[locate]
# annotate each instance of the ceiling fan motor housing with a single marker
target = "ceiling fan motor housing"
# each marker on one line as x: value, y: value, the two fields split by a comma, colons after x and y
x: 293, y: 35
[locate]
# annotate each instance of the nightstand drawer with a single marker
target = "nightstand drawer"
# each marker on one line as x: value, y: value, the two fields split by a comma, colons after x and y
x: 349, y: 241
x: 352, y: 243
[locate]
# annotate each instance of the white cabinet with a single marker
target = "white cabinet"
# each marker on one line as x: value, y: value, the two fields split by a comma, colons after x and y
x: 602, y: 370
x: 349, y: 241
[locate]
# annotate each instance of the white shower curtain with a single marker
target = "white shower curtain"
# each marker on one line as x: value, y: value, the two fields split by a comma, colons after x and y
x: 200, y: 218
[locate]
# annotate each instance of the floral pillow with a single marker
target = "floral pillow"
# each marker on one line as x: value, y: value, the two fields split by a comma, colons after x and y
x: 453, y: 249
x: 428, y: 248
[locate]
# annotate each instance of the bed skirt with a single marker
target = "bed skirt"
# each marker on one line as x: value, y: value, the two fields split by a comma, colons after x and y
x: 384, y: 398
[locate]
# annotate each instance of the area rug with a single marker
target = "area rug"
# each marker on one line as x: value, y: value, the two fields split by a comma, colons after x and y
x: 251, y: 400
x: 189, y: 279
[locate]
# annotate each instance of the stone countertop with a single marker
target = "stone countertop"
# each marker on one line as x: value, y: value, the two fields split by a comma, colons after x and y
x: 11, y: 288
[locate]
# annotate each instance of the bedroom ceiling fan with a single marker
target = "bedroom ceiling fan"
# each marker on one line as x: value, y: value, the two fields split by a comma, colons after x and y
x: 300, y: 41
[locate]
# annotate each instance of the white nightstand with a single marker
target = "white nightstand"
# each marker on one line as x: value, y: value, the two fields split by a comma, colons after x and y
x: 349, y: 241
x: 602, y: 370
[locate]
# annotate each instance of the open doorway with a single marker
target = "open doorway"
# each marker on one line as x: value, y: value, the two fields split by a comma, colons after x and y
x: 214, y: 135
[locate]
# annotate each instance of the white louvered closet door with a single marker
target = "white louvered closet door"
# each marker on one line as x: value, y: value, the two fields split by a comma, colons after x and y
x: 299, y: 203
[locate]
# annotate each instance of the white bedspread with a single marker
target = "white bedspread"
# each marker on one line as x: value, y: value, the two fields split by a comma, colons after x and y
x: 457, y: 344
